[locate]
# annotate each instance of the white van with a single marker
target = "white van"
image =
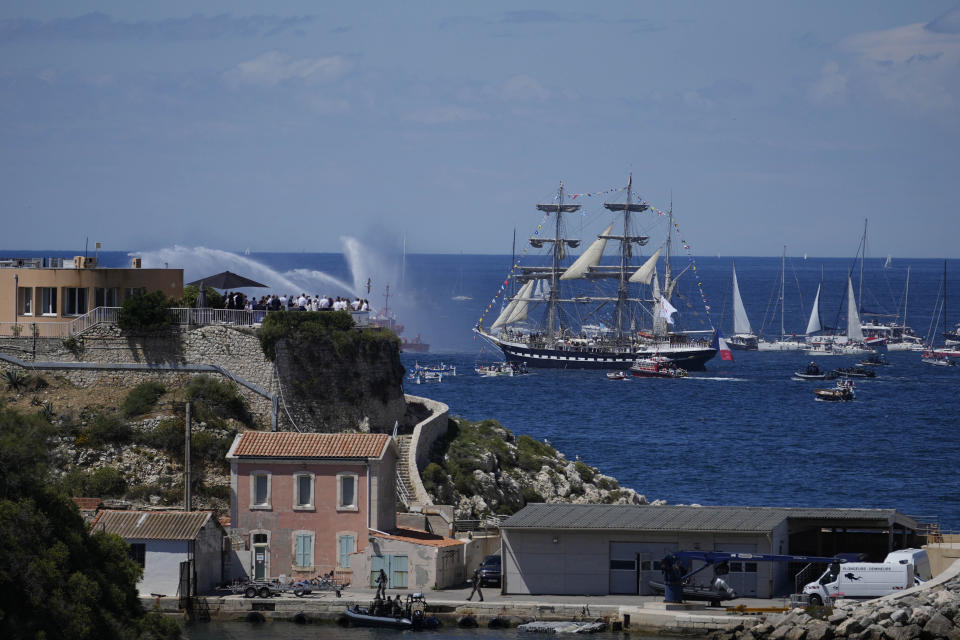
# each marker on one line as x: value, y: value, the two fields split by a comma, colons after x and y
x: 860, y: 580
x: 917, y: 557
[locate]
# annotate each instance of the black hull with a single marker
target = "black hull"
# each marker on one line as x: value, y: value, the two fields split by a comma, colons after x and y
x: 359, y: 617
x: 691, y: 360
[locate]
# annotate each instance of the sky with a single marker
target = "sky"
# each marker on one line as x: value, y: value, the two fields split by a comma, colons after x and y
x: 290, y: 126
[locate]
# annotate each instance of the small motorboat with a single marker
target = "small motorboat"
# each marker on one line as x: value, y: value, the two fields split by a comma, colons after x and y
x: 656, y: 367
x: 617, y: 375
x: 843, y: 392
x: 877, y: 360
x: 813, y: 372
x: 855, y: 372
x: 929, y: 357
x: 391, y: 614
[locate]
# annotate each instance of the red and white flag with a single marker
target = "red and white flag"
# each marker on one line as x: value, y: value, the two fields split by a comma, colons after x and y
x: 725, y: 352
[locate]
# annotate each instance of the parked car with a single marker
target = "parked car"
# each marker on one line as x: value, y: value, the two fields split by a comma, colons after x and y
x: 490, y: 571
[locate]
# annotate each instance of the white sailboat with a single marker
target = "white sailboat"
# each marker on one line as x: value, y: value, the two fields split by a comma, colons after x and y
x: 907, y: 341
x: 743, y: 336
x: 852, y: 344
x: 784, y: 342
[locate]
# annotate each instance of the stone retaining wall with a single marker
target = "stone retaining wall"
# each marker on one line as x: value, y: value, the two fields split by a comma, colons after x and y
x: 424, y: 435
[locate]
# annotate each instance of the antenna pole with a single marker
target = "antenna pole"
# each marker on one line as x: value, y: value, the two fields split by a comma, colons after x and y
x: 863, y: 257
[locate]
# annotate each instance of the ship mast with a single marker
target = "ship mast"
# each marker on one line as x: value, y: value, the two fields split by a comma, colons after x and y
x: 626, y: 249
x: 558, y: 252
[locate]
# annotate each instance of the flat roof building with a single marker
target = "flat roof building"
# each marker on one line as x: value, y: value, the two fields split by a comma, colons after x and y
x: 616, y: 549
x: 54, y: 290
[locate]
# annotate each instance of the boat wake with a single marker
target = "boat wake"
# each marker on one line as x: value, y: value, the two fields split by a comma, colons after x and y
x: 723, y: 379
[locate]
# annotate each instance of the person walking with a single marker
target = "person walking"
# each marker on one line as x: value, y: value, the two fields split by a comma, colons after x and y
x: 381, y: 585
x: 476, y: 585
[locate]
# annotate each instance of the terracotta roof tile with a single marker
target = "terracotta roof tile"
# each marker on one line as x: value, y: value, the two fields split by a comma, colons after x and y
x: 286, y: 444
x: 417, y: 536
x: 88, y: 504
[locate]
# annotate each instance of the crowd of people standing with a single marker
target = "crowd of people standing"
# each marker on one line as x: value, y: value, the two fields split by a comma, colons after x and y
x: 303, y: 302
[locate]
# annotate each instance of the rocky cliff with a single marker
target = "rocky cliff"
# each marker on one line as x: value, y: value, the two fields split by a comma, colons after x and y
x: 335, y: 377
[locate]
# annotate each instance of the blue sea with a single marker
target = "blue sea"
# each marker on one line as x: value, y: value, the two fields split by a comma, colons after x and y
x: 740, y: 433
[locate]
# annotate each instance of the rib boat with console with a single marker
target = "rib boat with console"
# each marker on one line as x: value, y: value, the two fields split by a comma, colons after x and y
x: 627, y: 298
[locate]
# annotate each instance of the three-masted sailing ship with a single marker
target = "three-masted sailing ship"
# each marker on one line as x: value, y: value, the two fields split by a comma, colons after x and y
x: 596, y: 313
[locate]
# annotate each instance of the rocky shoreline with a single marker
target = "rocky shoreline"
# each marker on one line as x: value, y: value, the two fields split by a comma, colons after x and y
x: 927, y: 612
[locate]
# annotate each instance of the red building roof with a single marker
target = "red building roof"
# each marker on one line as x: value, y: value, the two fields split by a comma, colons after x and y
x: 286, y: 444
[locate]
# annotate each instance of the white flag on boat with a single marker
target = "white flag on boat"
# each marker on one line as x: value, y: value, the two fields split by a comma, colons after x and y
x: 667, y: 310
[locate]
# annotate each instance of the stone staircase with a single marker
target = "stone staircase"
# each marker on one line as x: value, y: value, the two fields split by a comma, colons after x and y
x: 404, y: 492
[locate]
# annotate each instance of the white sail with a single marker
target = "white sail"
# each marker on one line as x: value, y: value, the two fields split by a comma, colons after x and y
x: 523, y: 303
x: 645, y: 273
x: 589, y: 258
x: 741, y: 324
x: 504, y: 315
x: 813, y: 324
x: 854, y: 332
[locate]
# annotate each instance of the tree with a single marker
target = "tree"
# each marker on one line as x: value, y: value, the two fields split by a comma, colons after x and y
x: 58, y: 579
x: 145, y: 312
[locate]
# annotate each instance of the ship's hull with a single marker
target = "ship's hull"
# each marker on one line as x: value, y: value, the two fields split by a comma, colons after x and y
x: 691, y: 358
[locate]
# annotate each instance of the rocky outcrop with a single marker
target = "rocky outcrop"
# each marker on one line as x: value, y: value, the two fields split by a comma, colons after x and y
x: 928, y: 612
x: 482, y: 469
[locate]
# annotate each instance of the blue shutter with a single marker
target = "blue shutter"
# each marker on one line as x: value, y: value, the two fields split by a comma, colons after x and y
x: 346, y: 548
x: 304, y: 552
x: 398, y: 574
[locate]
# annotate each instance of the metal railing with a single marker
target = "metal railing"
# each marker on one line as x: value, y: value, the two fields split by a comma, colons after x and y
x: 181, y: 316
x: 402, y: 492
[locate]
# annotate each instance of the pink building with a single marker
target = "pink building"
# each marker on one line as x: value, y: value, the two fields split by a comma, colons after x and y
x: 305, y: 501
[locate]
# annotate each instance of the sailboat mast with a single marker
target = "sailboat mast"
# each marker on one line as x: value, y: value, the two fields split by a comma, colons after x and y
x: 513, y: 261
x: 557, y: 246
x: 667, y: 269
x: 944, y: 297
x: 906, y: 297
x: 624, y: 256
x: 783, y: 269
x: 863, y: 257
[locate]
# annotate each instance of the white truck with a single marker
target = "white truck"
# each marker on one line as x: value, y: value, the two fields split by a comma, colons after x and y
x: 917, y: 557
x: 860, y: 580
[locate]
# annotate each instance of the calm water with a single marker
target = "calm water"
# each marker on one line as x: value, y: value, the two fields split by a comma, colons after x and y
x: 742, y: 433
x: 286, y: 630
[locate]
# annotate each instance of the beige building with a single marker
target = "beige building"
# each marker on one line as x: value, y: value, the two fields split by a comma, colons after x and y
x: 57, y: 290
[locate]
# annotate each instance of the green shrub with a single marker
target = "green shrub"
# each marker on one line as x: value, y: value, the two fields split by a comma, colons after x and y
x: 142, y: 492
x: 106, y: 428
x: 212, y: 400
x: 219, y: 491
x: 585, y: 471
x: 531, y: 454
x: 433, y: 476
x: 35, y: 382
x: 142, y: 398
x: 167, y: 436
x: 531, y: 495
x: 105, y: 482
x: 608, y: 484
x: 308, y: 326
x: 14, y: 379
x: 145, y: 312
x: 191, y: 291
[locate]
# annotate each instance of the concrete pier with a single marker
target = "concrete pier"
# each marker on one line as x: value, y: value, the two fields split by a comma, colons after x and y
x: 628, y: 613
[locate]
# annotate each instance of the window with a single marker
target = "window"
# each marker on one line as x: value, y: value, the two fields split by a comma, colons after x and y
x: 48, y: 300
x: 260, y: 490
x: 345, y: 546
x: 260, y: 538
x: 25, y: 301
x: 138, y: 551
x: 303, y: 549
x: 75, y: 301
x: 623, y: 565
x: 130, y: 292
x: 347, y: 491
x: 303, y: 491
x: 106, y: 297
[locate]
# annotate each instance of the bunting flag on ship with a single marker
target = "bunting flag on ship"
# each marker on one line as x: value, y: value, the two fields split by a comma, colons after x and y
x: 574, y: 196
x: 513, y: 269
